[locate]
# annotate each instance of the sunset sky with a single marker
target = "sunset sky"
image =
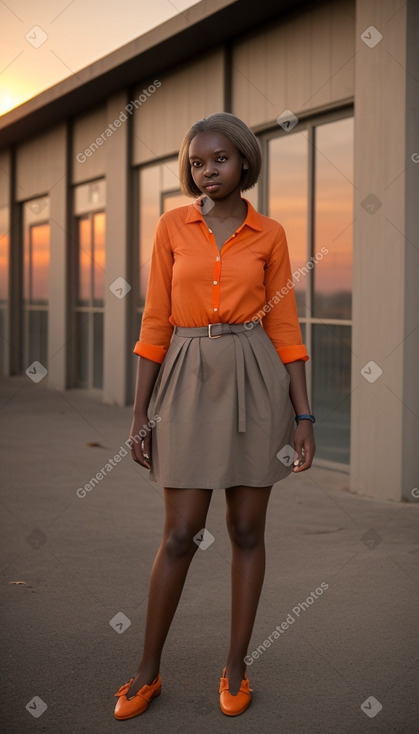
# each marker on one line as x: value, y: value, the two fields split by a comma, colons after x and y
x: 75, y: 33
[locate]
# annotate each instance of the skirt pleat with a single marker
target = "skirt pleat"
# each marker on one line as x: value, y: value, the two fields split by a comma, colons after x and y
x: 224, y: 413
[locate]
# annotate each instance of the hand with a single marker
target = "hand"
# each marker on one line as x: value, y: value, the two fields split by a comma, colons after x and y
x: 304, y: 445
x: 141, y: 445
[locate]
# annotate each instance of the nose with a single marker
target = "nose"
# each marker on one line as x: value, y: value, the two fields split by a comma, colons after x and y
x: 210, y: 170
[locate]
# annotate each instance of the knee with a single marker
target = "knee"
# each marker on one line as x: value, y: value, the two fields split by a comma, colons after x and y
x: 245, y: 535
x: 179, y: 542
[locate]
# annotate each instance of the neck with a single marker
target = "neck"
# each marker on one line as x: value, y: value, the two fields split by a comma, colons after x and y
x: 228, y: 208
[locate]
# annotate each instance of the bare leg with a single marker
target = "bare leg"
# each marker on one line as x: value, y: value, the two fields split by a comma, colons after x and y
x: 246, y: 516
x: 185, y: 514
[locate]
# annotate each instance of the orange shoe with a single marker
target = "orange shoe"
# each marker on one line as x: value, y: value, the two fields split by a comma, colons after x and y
x: 234, y: 705
x: 126, y: 708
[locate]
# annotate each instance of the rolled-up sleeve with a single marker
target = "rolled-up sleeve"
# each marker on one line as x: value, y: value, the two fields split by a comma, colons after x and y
x: 281, y: 319
x: 156, y: 330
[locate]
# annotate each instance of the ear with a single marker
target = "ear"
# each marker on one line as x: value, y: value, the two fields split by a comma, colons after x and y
x: 245, y: 165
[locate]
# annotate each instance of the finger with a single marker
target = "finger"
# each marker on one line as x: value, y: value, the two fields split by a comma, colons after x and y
x: 306, y: 460
x: 298, y: 448
x: 137, y: 454
x: 144, y: 452
x: 139, y: 459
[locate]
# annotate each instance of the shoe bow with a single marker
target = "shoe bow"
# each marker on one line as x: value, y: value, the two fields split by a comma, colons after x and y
x: 124, y: 689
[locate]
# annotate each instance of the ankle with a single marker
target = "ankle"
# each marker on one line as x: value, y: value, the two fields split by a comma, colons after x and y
x: 235, y: 664
x: 149, y: 668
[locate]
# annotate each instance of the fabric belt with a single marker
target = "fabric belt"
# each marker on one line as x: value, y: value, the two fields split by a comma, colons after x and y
x: 213, y: 331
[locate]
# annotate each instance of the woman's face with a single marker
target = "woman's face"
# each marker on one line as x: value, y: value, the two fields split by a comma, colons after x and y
x: 216, y: 164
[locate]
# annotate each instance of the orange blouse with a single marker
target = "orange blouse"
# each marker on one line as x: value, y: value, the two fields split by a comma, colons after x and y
x: 193, y: 283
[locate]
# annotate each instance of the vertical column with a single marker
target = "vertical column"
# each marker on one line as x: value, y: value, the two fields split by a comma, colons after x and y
x: 118, y: 293
x: 385, y: 305
x: 57, y: 306
x: 410, y: 463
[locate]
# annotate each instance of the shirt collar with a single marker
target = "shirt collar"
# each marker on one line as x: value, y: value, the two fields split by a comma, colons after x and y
x: 252, y: 220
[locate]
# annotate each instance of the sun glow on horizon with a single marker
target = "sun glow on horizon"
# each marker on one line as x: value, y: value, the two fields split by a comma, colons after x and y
x: 66, y: 47
x: 7, y: 103
x: 11, y: 98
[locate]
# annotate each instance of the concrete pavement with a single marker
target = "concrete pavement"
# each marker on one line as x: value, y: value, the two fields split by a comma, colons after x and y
x: 334, y: 647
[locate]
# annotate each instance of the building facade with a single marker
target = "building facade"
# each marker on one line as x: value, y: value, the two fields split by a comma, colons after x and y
x: 88, y: 166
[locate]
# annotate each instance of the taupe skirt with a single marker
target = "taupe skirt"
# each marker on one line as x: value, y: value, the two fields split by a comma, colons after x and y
x: 225, y: 417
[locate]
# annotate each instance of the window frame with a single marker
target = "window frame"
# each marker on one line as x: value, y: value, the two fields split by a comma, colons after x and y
x: 91, y: 308
x: 306, y: 122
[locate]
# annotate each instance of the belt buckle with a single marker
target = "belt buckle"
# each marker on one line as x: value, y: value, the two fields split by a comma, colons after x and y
x: 209, y: 332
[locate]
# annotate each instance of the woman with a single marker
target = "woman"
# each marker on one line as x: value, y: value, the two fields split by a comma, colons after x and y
x: 221, y: 377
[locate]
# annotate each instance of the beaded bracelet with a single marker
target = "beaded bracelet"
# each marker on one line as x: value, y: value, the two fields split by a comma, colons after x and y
x: 305, y: 416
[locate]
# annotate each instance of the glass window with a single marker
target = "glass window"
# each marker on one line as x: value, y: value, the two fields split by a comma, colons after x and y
x: 36, y: 264
x: 288, y: 201
x: 85, y: 260
x: 91, y: 260
x: 4, y: 255
x: 39, y: 263
x: 311, y: 194
x: 36, y: 267
x: 98, y: 350
x: 90, y: 197
x: 333, y: 216
x: 331, y: 402
x: 82, y: 330
x: 98, y: 258
x: 4, y: 281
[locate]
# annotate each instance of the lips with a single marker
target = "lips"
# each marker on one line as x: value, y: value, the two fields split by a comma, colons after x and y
x: 212, y: 186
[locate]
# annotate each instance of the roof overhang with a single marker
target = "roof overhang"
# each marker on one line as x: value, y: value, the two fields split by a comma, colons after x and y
x: 190, y: 33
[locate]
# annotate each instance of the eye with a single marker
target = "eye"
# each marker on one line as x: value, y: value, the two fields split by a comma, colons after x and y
x: 195, y: 164
x: 221, y: 158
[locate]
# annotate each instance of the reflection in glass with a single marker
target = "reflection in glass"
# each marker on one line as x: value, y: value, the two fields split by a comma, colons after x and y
x: 333, y: 218
x: 288, y: 171
x: 39, y: 263
x: 99, y: 257
x: 92, y: 259
x: 36, y: 264
x: 85, y: 260
x: 4, y: 255
x: 4, y: 283
x: 331, y: 365
x: 36, y: 267
x: 90, y: 304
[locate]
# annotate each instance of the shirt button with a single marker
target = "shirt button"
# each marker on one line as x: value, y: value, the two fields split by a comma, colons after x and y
x: 209, y: 230
x: 217, y: 259
x: 214, y: 282
x: 215, y: 309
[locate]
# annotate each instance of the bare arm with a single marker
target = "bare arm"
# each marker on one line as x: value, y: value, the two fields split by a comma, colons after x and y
x: 147, y: 372
x: 304, y: 435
